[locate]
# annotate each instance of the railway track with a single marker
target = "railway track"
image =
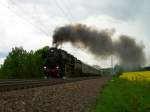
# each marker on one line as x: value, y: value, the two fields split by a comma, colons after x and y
x: 16, y: 84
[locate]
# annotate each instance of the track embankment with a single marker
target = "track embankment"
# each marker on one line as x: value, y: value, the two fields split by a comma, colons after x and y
x: 68, y: 97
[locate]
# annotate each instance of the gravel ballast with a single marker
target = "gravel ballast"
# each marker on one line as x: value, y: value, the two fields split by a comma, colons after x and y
x: 69, y: 97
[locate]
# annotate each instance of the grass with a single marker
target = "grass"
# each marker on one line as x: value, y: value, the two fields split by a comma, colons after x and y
x: 122, y: 95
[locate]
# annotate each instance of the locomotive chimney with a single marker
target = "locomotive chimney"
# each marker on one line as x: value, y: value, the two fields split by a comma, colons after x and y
x: 55, y: 45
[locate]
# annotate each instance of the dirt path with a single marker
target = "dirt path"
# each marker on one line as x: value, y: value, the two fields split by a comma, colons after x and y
x: 72, y: 97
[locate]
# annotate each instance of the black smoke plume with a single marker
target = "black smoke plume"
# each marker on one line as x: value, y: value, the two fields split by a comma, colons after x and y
x: 100, y: 43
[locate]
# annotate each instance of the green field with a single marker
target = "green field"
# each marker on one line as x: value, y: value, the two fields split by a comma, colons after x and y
x: 121, y: 95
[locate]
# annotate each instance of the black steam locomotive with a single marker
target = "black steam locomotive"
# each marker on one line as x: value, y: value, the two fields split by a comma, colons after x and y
x: 59, y: 63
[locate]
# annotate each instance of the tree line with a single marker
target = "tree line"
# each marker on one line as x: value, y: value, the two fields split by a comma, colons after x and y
x: 20, y: 64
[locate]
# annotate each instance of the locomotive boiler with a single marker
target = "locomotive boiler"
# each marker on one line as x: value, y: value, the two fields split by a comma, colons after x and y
x: 58, y: 63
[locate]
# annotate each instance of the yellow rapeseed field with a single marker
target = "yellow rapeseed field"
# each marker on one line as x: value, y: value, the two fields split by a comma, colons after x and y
x: 136, y: 76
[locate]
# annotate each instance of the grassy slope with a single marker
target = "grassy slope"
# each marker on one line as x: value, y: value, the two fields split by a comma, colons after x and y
x: 121, y: 95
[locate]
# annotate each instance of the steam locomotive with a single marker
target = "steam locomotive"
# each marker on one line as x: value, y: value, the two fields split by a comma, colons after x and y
x: 59, y: 64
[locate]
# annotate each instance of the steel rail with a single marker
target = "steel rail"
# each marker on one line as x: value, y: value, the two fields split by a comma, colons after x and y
x: 10, y: 85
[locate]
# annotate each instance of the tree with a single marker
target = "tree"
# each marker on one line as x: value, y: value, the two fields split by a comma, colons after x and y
x: 13, y: 63
x: 22, y: 64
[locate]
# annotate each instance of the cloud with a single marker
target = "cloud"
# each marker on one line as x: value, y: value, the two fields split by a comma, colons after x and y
x: 18, y: 30
x: 121, y: 9
x: 126, y: 16
x: 3, y: 54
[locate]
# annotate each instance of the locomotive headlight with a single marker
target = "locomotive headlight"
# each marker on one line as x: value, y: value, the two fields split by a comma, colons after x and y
x: 52, y: 50
x: 45, y: 67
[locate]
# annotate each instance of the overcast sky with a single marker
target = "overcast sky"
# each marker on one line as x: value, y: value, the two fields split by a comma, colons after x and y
x: 30, y: 23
